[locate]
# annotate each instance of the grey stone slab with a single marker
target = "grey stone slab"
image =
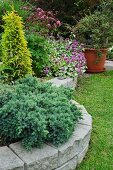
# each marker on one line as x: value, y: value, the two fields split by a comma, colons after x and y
x: 45, y: 158
x: 9, y: 160
x: 82, y: 134
x: 68, y: 82
x: 86, y: 120
x: 68, y: 150
x: 70, y: 165
x: 74, y: 145
x: 81, y: 131
x: 81, y: 155
x: 84, y: 142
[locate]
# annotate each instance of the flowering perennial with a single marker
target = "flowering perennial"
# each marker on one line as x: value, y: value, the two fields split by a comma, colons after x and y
x: 46, y: 18
x: 70, y: 60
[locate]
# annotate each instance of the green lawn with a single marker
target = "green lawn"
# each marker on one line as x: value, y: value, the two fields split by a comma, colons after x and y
x: 96, y: 94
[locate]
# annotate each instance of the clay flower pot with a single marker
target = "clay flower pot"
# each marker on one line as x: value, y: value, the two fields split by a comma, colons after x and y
x: 94, y: 63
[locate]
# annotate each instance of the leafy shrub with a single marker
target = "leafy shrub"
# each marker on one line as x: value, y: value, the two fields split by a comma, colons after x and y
x: 40, y: 50
x: 34, y: 113
x: 69, y: 60
x: 14, y: 47
x: 95, y: 31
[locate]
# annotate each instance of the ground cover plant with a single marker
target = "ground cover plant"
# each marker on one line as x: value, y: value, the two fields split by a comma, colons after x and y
x: 96, y: 93
x: 34, y: 113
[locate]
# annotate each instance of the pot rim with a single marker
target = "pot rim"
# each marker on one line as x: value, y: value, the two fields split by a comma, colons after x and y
x: 94, y: 49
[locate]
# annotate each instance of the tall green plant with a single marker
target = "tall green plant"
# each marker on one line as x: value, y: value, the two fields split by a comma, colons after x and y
x: 14, y: 47
x: 40, y: 50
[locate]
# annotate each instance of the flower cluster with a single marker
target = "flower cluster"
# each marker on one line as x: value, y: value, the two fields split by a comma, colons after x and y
x: 46, y: 18
x: 70, y: 60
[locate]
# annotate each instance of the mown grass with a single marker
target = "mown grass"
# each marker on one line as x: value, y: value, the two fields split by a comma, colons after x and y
x: 96, y: 94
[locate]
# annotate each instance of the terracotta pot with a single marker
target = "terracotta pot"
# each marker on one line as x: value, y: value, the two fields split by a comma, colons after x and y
x: 93, y: 65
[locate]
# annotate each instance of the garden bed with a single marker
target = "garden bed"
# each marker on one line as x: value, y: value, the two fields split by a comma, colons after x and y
x: 65, y: 157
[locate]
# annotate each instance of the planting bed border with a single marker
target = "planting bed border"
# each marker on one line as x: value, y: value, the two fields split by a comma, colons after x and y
x: 65, y: 157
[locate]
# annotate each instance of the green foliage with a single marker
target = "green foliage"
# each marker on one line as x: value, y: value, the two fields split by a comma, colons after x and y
x: 40, y: 50
x: 0, y: 50
x: 14, y: 47
x: 67, y: 11
x: 95, y: 31
x: 34, y: 113
x: 19, y: 5
x: 6, y: 5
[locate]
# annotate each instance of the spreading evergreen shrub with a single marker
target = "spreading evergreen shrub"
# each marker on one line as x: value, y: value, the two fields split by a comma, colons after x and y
x: 36, y: 112
x: 14, y: 47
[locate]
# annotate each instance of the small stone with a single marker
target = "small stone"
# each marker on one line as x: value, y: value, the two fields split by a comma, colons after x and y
x: 9, y: 160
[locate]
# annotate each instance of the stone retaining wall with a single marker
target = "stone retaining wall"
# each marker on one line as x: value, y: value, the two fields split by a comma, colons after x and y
x: 64, y: 157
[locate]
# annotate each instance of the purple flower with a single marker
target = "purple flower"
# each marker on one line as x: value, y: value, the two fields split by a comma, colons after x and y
x: 68, y: 60
x: 65, y: 58
x: 78, y: 70
x: 73, y: 58
x: 46, y: 70
x: 75, y: 42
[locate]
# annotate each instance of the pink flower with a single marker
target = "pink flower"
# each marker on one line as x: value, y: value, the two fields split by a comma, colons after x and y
x: 39, y: 10
x: 58, y: 23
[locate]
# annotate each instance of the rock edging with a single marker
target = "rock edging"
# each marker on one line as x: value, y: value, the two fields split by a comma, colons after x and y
x: 65, y: 157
